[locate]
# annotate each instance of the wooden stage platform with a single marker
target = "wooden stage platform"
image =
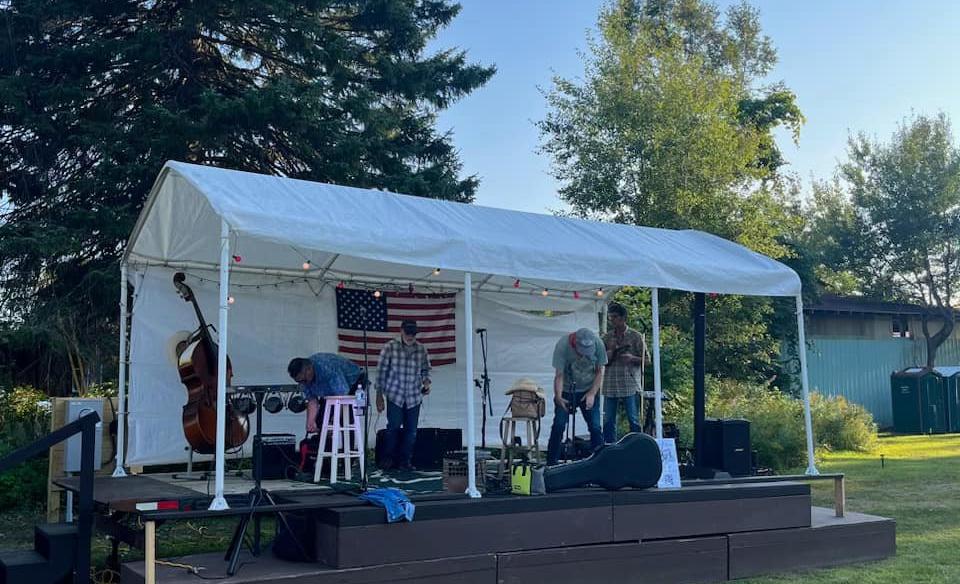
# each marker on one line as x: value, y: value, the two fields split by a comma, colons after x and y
x: 706, y: 533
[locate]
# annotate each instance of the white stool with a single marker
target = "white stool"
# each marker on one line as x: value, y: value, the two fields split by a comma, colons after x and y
x: 338, y: 426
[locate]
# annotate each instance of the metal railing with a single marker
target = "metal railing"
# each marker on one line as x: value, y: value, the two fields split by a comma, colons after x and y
x: 85, y: 426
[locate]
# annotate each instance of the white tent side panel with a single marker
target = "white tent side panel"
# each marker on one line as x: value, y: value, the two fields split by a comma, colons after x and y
x: 270, y: 325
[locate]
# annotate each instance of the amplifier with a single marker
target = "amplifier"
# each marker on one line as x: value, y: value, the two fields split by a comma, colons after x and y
x: 727, y: 446
x: 431, y: 446
x: 274, y: 456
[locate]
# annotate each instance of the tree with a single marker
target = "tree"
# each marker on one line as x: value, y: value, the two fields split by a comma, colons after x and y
x: 672, y: 128
x: 94, y: 97
x: 904, y: 210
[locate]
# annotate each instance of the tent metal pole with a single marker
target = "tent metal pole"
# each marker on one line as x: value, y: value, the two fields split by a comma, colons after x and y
x: 118, y: 470
x: 219, y: 503
x: 657, y: 382
x: 699, y: 378
x: 471, y: 421
x: 807, y: 418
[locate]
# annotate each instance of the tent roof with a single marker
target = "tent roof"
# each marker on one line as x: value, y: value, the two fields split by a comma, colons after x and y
x: 349, y: 233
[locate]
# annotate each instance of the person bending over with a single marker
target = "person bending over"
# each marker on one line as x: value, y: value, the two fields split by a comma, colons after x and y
x: 578, y: 361
x: 320, y: 375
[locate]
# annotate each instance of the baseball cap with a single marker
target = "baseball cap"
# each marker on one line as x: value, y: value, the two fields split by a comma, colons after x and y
x: 585, y: 342
x: 409, y: 327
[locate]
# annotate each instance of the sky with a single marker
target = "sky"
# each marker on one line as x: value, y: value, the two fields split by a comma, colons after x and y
x: 855, y: 65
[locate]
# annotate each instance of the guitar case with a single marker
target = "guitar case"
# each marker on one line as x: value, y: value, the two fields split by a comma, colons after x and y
x: 633, y: 462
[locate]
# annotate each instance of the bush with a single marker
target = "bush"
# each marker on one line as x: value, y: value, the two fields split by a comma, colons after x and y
x: 776, y: 421
x: 24, y: 417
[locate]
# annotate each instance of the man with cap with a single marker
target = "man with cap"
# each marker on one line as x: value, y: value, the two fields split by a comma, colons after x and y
x: 403, y: 378
x: 323, y: 374
x: 578, y: 361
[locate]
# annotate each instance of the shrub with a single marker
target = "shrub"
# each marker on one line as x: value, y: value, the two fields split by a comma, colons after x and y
x: 24, y: 417
x: 776, y: 421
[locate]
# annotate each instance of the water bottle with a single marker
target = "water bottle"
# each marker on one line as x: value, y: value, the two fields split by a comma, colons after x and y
x: 361, y: 397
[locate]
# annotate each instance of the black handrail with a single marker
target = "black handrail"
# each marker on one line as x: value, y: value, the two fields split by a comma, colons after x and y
x: 86, y: 426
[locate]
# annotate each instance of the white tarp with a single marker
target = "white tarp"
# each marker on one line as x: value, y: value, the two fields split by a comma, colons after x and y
x: 278, y: 223
x: 270, y: 325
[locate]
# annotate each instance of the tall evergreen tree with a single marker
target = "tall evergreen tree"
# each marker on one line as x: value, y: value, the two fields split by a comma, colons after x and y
x: 95, y: 96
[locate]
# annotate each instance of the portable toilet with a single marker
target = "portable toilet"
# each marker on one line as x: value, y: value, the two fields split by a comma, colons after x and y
x: 919, y: 401
x: 951, y: 381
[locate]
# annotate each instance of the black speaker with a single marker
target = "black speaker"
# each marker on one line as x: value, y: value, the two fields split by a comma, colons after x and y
x: 431, y: 446
x: 727, y: 446
x: 274, y: 456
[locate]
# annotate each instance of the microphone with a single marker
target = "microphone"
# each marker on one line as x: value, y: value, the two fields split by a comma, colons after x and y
x: 481, y: 330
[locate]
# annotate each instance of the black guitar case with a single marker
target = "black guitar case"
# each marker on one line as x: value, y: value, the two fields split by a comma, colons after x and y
x: 634, y: 462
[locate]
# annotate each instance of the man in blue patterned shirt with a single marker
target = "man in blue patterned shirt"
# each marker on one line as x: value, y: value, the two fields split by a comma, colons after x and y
x: 320, y: 375
x: 403, y: 376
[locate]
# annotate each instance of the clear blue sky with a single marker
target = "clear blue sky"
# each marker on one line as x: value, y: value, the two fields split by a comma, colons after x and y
x: 856, y: 65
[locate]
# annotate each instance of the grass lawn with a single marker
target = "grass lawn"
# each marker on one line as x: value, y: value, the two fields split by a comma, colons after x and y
x: 919, y: 487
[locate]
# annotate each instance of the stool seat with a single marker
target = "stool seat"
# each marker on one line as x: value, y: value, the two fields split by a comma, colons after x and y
x: 508, y: 433
x: 341, y: 423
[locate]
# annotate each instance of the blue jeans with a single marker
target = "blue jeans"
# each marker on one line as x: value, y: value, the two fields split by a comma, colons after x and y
x: 401, y: 433
x: 610, y: 407
x: 560, y: 418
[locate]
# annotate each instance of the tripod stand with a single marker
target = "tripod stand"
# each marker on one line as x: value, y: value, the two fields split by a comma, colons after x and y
x: 572, y: 423
x: 484, y: 387
x: 258, y: 496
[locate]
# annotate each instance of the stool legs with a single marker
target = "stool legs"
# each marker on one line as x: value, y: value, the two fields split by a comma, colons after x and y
x: 346, y: 436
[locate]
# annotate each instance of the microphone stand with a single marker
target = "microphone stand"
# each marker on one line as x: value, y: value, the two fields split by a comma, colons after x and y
x: 365, y: 387
x: 485, y: 401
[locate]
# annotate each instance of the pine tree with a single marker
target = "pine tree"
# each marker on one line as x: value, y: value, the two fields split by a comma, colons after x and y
x: 96, y: 96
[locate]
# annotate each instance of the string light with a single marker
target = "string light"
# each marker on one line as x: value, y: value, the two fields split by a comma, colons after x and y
x: 576, y: 295
x: 516, y: 283
x: 306, y: 265
x: 230, y: 300
x: 436, y: 271
x: 599, y: 292
x: 545, y: 293
x: 237, y: 259
x: 341, y: 285
x: 377, y: 293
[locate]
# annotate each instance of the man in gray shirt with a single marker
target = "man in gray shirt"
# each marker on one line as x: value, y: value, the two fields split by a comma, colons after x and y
x: 578, y: 361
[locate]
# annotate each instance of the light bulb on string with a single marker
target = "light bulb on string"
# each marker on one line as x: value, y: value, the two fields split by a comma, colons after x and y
x: 576, y: 295
x: 516, y: 283
x: 377, y: 293
x: 306, y: 265
x: 599, y: 292
x: 436, y: 271
x: 545, y: 293
x: 231, y: 299
x: 341, y: 285
x: 237, y: 258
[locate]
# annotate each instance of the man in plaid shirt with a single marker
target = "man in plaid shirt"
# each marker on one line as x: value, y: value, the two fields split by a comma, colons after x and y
x: 623, y: 381
x: 403, y: 376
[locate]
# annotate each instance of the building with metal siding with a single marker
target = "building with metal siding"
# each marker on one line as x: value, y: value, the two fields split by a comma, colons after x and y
x: 855, y: 344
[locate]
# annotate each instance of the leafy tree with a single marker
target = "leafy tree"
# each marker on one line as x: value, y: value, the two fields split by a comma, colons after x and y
x: 671, y: 127
x: 897, y: 234
x: 94, y: 97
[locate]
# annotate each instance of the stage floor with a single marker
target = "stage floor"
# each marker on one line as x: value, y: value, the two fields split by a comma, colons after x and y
x: 828, y: 541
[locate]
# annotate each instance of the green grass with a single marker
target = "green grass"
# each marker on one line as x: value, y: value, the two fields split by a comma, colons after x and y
x: 919, y: 487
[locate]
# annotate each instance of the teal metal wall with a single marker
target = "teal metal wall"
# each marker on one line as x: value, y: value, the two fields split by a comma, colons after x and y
x: 859, y: 369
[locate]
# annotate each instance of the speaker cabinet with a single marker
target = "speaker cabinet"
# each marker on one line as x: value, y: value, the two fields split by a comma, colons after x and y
x: 727, y: 446
x: 274, y: 456
x: 431, y: 446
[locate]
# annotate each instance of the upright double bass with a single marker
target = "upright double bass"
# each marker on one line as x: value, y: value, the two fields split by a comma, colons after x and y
x: 197, y: 365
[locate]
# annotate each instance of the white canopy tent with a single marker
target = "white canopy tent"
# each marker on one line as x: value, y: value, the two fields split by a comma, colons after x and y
x: 195, y: 215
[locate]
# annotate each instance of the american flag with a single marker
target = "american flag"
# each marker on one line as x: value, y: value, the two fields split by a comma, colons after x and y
x: 434, y: 314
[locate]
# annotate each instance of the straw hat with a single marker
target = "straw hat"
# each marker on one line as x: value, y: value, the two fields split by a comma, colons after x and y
x: 525, y: 384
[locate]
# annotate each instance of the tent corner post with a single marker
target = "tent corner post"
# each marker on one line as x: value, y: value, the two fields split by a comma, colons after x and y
x: 805, y: 384
x: 219, y: 503
x: 472, y: 490
x: 657, y: 382
x: 118, y: 470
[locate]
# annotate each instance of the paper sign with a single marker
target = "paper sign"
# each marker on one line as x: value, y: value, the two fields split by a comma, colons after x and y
x: 670, y: 476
